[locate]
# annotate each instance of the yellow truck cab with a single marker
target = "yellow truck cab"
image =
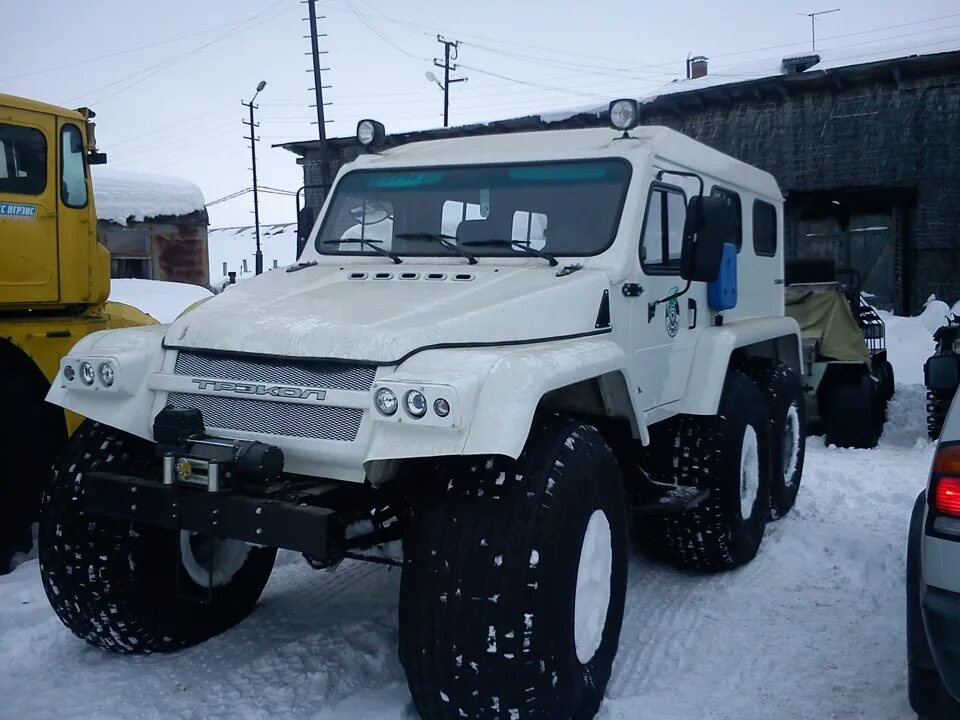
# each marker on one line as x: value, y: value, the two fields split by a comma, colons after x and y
x: 54, y: 282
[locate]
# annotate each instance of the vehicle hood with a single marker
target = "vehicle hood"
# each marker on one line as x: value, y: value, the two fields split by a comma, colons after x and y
x: 382, y: 314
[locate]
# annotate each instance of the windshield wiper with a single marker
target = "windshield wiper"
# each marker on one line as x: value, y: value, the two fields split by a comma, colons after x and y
x: 441, y: 238
x: 516, y: 246
x: 372, y: 244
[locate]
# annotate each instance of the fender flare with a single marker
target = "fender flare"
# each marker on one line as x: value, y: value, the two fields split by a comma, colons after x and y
x: 774, y: 337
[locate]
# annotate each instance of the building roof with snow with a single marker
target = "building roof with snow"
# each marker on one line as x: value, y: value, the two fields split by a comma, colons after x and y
x: 123, y: 197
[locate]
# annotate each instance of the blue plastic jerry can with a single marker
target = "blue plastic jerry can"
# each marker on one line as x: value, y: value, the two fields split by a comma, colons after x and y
x: 722, y: 292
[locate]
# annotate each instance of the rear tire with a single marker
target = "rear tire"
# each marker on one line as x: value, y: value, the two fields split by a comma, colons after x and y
x: 728, y: 454
x: 852, y: 412
x: 121, y: 585
x: 499, y: 610
x: 938, y: 404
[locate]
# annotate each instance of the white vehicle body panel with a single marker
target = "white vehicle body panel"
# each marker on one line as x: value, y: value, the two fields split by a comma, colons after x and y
x: 492, y: 338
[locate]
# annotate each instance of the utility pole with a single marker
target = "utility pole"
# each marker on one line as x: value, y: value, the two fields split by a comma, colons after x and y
x: 258, y: 258
x: 318, y: 88
x: 448, y: 46
x: 814, y: 19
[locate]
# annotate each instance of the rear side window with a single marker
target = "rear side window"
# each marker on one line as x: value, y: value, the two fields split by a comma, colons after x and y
x: 73, y: 173
x: 733, y: 201
x: 764, y: 228
x: 23, y: 160
x: 663, y: 230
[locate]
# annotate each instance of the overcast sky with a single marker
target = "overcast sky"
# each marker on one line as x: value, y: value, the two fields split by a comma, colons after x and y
x: 166, y: 78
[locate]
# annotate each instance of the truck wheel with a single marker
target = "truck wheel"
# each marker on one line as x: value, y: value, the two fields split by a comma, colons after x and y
x: 729, y: 454
x: 938, y: 403
x: 853, y: 415
x: 513, y: 587
x: 32, y: 432
x: 887, y: 380
x: 928, y: 696
x: 783, y: 393
x: 130, y: 587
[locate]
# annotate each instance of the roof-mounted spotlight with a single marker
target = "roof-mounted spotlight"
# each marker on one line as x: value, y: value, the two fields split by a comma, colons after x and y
x: 624, y: 115
x: 371, y: 133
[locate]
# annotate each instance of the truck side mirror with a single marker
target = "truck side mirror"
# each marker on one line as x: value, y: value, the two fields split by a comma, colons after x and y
x: 708, y: 226
x: 305, y: 220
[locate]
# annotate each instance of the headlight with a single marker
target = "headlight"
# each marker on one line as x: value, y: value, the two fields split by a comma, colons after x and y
x: 441, y: 407
x: 386, y: 401
x: 87, y: 375
x: 370, y: 133
x: 624, y: 114
x: 416, y: 403
x: 69, y: 374
x: 956, y: 346
x: 107, y: 374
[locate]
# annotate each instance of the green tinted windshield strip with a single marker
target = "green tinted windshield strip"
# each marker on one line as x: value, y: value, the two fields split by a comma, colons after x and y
x: 567, y: 172
x: 387, y: 181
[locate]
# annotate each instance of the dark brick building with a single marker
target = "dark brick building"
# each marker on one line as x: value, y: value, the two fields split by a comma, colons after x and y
x: 867, y: 155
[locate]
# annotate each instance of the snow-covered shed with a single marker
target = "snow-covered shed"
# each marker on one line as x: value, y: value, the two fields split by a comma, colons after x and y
x: 155, y: 226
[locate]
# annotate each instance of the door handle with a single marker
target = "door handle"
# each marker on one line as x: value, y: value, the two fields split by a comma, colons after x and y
x: 692, y: 307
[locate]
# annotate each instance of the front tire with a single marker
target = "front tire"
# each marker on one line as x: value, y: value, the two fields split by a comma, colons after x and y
x: 728, y: 454
x: 514, y: 582
x: 123, y: 586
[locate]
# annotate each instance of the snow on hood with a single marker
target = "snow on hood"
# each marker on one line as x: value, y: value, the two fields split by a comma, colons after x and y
x: 124, y: 197
x: 321, y: 312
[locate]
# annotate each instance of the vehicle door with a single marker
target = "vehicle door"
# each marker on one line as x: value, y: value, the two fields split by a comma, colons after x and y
x: 664, y: 331
x: 28, y: 207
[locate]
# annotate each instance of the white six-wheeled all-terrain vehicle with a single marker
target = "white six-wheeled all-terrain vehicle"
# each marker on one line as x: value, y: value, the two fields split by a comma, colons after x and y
x: 496, y: 358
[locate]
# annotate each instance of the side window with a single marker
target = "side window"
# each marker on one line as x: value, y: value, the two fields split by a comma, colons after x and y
x: 73, y: 174
x: 455, y: 212
x: 663, y: 230
x: 23, y: 160
x: 764, y: 228
x: 529, y: 228
x: 733, y: 201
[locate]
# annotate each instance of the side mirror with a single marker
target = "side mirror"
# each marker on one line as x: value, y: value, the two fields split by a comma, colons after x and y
x: 709, y: 224
x: 305, y: 219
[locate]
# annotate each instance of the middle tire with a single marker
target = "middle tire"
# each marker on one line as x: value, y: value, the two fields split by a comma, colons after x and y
x: 514, y: 581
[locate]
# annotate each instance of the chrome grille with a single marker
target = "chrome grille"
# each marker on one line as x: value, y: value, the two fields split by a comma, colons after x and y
x: 322, y: 422
x: 328, y: 374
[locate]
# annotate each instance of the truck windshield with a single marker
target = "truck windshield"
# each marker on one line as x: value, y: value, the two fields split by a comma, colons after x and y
x: 569, y: 208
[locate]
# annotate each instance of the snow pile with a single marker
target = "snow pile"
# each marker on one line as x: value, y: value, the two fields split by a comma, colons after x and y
x: 830, y: 59
x: 159, y: 299
x: 229, y: 247
x: 935, y: 315
x: 123, y: 197
x: 813, y: 628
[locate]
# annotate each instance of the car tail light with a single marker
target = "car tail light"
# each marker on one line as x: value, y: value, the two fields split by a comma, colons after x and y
x: 946, y: 480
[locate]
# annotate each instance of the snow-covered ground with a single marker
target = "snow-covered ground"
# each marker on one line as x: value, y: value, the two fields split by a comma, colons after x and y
x: 813, y: 628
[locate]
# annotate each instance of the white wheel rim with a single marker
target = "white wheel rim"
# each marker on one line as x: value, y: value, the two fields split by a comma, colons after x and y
x: 225, y: 556
x: 791, y: 445
x: 593, y: 586
x: 749, y: 472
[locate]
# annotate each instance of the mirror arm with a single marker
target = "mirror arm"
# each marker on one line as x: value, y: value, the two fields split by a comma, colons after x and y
x: 652, y: 306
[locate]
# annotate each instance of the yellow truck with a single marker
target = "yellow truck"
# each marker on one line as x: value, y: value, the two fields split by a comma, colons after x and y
x: 54, y: 283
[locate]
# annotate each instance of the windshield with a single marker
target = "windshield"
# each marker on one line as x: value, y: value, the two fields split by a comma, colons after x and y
x: 568, y: 208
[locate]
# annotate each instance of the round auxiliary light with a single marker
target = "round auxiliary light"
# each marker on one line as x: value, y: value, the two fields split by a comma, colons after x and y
x: 107, y: 374
x: 69, y: 374
x: 441, y: 407
x: 370, y: 133
x: 415, y: 403
x: 386, y: 401
x: 87, y: 374
x: 624, y: 114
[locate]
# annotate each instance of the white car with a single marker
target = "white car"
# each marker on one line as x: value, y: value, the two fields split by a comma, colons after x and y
x: 933, y: 584
x: 493, y: 353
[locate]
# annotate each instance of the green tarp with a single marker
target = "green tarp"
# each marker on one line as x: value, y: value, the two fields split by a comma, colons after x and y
x: 826, y: 316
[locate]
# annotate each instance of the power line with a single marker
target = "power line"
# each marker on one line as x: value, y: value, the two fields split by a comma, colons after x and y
x: 231, y: 196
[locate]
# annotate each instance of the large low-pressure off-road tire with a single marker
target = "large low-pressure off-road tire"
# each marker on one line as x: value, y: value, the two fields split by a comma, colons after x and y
x: 938, y: 403
x: 852, y: 412
x: 514, y: 581
x: 783, y: 393
x: 730, y: 455
x: 32, y: 432
x: 130, y: 587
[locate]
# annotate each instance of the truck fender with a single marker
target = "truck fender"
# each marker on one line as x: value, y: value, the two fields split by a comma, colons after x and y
x: 773, y: 337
